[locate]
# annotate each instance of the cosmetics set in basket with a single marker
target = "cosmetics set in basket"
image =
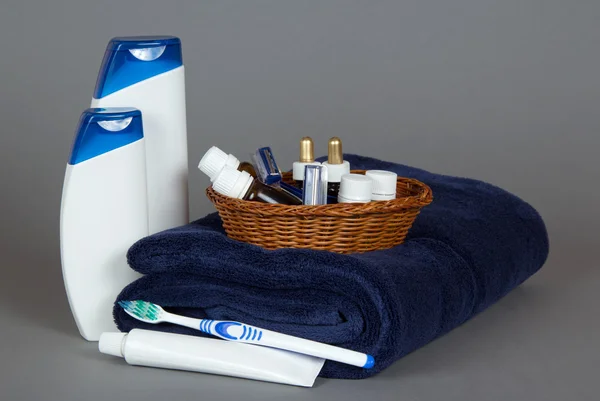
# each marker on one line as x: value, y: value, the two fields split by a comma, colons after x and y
x: 324, y: 206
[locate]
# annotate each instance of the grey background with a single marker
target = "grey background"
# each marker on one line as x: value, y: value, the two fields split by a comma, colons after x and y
x: 503, y: 91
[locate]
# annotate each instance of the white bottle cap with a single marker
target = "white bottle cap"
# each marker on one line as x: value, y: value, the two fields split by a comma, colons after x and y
x: 298, y: 169
x: 384, y: 184
x: 111, y: 343
x: 214, y: 160
x: 355, y: 188
x: 231, y: 182
x: 336, y: 171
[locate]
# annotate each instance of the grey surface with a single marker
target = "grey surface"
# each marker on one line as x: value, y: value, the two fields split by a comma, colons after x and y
x: 504, y: 91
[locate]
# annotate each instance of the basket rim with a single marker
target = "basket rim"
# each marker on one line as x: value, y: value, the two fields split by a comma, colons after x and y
x: 423, y: 196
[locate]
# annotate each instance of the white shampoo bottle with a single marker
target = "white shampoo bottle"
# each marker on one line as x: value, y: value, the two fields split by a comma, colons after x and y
x: 147, y: 73
x: 104, y: 210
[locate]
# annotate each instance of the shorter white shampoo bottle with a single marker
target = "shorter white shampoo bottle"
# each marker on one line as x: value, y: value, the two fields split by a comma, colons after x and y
x: 104, y: 210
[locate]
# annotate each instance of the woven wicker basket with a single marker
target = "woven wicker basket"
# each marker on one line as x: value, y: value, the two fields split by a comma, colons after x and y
x: 341, y: 228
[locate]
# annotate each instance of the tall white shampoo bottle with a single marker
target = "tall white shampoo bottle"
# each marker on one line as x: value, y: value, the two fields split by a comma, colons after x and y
x: 104, y: 210
x: 147, y: 73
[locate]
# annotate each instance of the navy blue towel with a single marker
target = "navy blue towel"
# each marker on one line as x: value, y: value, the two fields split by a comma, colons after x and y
x: 471, y: 246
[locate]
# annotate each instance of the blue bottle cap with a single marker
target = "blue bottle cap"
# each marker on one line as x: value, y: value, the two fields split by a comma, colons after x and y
x: 132, y: 59
x: 102, y: 130
x: 122, y: 43
x: 314, y: 190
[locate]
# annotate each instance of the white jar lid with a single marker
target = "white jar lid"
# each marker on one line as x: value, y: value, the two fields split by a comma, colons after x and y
x: 231, y: 182
x: 355, y: 188
x: 336, y: 171
x: 384, y: 182
x: 214, y: 160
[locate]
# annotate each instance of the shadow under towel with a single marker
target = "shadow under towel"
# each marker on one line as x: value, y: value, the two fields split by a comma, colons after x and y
x: 471, y: 246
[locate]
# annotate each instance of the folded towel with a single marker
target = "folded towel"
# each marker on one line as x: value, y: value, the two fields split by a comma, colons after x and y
x: 471, y: 246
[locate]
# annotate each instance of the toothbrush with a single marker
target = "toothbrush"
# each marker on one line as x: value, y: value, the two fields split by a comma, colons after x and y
x: 235, y: 331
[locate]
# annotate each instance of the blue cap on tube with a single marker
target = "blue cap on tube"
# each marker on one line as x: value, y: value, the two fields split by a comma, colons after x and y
x: 132, y: 59
x: 101, y: 130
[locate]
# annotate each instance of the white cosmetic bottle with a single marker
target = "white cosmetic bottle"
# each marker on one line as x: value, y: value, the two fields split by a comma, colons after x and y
x: 147, y: 72
x: 103, y: 212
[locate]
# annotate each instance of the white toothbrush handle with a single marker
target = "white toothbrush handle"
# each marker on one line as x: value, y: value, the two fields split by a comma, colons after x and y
x: 313, y: 348
x: 190, y: 322
x: 240, y: 332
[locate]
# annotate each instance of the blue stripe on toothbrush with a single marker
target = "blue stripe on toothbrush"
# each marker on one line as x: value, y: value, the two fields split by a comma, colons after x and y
x: 259, y: 336
x: 221, y: 329
x: 243, y: 333
x: 254, y: 334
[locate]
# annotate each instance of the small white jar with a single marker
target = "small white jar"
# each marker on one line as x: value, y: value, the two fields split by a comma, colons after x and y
x: 384, y: 184
x: 355, y: 188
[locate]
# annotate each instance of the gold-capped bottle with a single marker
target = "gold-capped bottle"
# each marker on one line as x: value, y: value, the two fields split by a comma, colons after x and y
x: 307, y: 158
x: 336, y: 166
